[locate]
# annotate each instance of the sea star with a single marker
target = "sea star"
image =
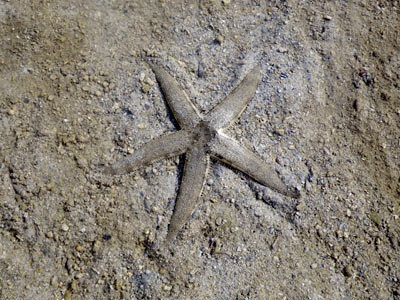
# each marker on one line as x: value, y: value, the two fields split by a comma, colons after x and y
x: 201, y: 136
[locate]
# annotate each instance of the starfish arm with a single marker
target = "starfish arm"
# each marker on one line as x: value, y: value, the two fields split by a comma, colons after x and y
x: 164, y: 146
x: 182, y: 108
x: 232, y: 153
x: 226, y: 112
x: 195, y: 170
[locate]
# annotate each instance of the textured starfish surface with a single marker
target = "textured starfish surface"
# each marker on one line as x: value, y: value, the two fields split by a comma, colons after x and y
x: 199, y: 138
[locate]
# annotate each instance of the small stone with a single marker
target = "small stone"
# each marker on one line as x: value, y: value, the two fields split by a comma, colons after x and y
x: 226, y: 2
x: 167, y: 288
x: 348, y: 271
x: 219, y: 39
x: 213, y: 200
x: 314, y: 266
x: 51, y: 185
x: 53, y: 281
x: 201, y: 71
x: 79, y: 248
x: 348, y: 213
x: 74, y: 285
x: 218, y: 221
x: 98, y: 93
x: 50, y: 234
x: 308, y: 186
x: 327, y: 18
x: 280, y: 131
x: 96, y: 246
x: 234, y: 229
x: 376, y: 218
x: 210, y: 181
x: 11, y: 111
x: 64, y: 227
x: 146, y: 87
x: 50, y: 97
x: 82, y: 162
x: 300, y: 206
x: 68, y: 295
x: 258, y: 212
x: 53, y: 77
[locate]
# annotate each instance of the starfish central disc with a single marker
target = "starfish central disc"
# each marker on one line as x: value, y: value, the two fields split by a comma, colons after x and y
x: 204, y: 134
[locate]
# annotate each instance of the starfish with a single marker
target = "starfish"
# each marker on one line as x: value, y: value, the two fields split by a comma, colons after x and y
x: 199, y: 138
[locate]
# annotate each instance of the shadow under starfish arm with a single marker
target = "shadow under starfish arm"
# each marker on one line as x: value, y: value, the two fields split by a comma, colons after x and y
x: 164, y: 146
x: 194, y: 172
x: 232, y: 153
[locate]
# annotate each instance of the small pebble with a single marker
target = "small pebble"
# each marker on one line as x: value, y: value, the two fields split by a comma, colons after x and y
x: 201, y: 71
x: 64, y: 227
x: 167, y: 288
x: 280, y: 131
x: 314, y: 266
x: 301, y: 206
x: 308, y: 186
x: 53, y: 281
x: 146, y: 88
x: 96, y: 246
x: 219, y: 39
x: 348, y: 271
x: 376, y: 218
x: 68, y: 295
x: 258, y: 212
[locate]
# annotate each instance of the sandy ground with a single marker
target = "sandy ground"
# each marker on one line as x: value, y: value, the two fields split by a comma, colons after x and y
x: 76, y: 94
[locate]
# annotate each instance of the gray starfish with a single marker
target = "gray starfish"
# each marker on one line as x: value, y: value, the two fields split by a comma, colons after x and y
x: 199, y: 138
